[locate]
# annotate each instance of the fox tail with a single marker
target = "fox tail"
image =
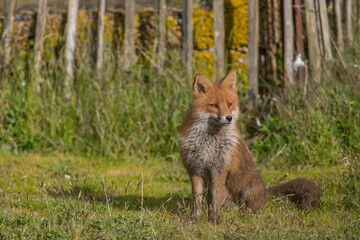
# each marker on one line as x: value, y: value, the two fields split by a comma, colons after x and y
x: 302, y: 191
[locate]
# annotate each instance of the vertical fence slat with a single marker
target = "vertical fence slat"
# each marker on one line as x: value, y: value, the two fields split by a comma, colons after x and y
x: 318, y: 28
x: 219, y: 39
x: 253, y: 53
x: 274, y: 34
x: 312, y: 40
x: 348, y: 23
x: 187, y: 43
x: 7, y: 31
x: 100, y: 36
x: 162, y: 34
x: 357, y: 16
x: 70, y: 45
x: 129, y: 46
x: 39, y: 35
x: 325, y: 30
x: 288, y: 43
x: 299, y: 42
x: 339, y: 34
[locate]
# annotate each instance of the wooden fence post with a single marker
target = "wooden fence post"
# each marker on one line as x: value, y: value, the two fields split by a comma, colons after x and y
x: 299, y: 42
x: 312, y: 41
x: 70, y: 44
x: 325, y: 30
x: 100, y: 36
x: 39, y: 35
x: 318, y: 28
x: 187, y: 42
x: 7, y: 31
x: 129, y: 46
x: 348, y: 23
x: 219, y: 39
x: 357, y: 16
x: 162, y: 35
x: 339, y: 35
x: 288, y: 43
x: 253, y: 54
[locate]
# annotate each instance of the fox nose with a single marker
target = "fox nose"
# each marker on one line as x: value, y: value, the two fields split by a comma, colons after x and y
x: 229, y: 118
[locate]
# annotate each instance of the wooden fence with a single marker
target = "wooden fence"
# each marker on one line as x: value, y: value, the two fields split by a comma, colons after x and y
x: 264, y: 32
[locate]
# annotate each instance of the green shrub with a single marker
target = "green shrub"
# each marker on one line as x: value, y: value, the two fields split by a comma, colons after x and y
x: 313, y: 128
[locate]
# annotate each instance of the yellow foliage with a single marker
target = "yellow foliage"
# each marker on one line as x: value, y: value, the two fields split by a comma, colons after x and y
x: 137, y: 21
x: 235, y: 3
x: 236, y: 21
x: 204, y: 62
x: 173, y: 35
x: 108, y: 30
x: 171, y: 23
x: 136, y: 27
x: 236, y: 35
x: 238, y: 61
x: 86, y: 20
x: 203, y: 29
x: 82, y: 20
x: 236, y: 29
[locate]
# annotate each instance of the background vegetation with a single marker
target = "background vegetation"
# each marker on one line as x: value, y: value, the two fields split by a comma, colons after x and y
x: 72, y: 169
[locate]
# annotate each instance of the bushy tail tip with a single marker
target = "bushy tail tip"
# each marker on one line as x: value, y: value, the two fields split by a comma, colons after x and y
x: 302, y: 191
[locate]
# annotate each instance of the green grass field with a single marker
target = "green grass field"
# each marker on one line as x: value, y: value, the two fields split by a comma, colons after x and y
x: 62, y: 196
x: 72, y: 169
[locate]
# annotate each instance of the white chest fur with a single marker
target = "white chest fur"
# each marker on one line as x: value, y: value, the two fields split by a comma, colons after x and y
x: 207, y: 148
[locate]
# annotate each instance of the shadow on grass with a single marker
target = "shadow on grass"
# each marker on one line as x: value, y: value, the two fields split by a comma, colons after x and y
x: 170, y: 202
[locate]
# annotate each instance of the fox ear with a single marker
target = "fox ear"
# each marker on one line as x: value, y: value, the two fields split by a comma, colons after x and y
x: 201, y: 84
x: 229, y: 80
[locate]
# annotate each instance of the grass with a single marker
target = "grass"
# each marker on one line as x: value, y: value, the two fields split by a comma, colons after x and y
x: 70, y: 194
x: 62, y: 196
x: 72, y: 169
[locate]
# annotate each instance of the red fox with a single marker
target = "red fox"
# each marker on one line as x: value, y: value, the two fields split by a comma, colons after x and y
x: 215, y: 155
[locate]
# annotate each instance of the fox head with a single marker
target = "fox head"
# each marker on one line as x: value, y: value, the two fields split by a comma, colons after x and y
x: 216, y: 102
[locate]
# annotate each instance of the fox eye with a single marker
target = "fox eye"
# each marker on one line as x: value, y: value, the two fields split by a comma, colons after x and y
x: 229, y: 105
x: 213, y: 105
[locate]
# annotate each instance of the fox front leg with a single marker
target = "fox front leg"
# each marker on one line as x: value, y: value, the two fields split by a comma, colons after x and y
x: 216, y: 196
x: 197, y: 189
